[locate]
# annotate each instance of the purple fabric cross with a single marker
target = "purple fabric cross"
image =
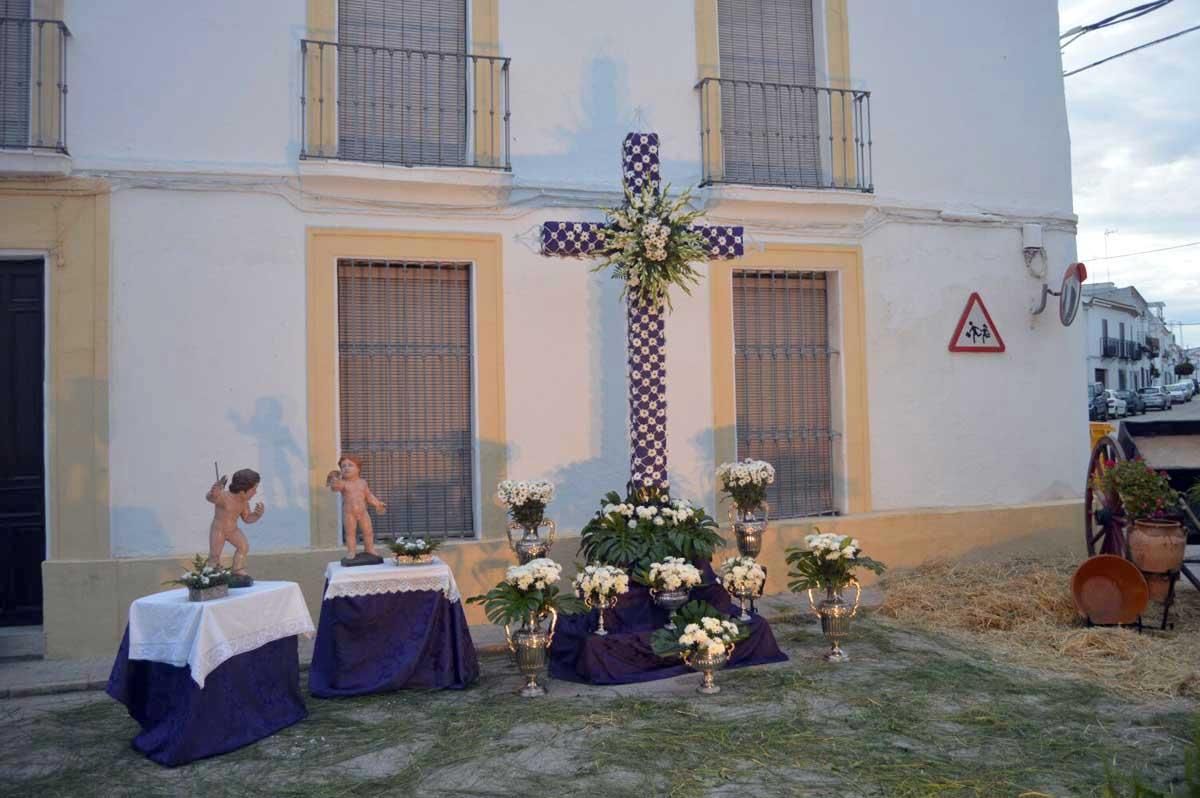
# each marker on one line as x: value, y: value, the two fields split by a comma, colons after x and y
x: 646, y: 326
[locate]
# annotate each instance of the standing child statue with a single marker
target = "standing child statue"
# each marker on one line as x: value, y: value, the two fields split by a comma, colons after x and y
x: 231, y: 505
x: 356, y: 495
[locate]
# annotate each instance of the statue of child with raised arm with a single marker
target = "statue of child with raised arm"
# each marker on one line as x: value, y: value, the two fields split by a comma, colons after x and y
x: 230, y: 505
x: 356, y: 495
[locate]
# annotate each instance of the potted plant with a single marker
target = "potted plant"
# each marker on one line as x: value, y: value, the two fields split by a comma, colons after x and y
x: 744, y: 578
x: 670, y: 581
x: 745, y: 483
x: 706, y: 643
x: 529, y: 594
x: 205, y: 581
x: 1156, y: 538
x: 414, y: 551
x: 828, y: 562
x: 643, y: 528
x: 526, y: 504
x: 598, y: 586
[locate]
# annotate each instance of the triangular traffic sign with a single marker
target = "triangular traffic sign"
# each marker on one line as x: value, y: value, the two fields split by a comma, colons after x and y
x: 976, y: 332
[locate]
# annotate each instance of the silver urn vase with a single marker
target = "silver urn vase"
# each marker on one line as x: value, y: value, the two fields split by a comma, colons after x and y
x: 749, y: 528
x: 670, y: 600
x: 208, y: 593
x: 530, y: 647
x: 531, y: 545
x: 743, y: 604
x: 601, y: 605
x: 707, y: 665
x: 835, y: 614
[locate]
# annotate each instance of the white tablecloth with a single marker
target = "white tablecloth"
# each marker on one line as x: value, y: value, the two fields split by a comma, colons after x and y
x: 166, y: 627
x: 372, y: 580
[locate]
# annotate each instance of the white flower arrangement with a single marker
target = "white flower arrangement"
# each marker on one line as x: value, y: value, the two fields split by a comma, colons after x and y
x: 673, y: 574
x: 742, y: 576
x: 203, y: 575
x: 414, y: 549
x: 827, y: 561
x: 525, y: 500
x: 599, y: 583
x: 711, y: 637
x: 746, y: 482
x: 534, y: 575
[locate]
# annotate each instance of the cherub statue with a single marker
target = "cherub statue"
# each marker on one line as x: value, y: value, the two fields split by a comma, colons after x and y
x: 231, y: 505
x: 356, y: 495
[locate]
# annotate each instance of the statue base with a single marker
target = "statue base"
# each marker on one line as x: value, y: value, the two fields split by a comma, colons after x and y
x: 362, y: 558
x: 241, y: 580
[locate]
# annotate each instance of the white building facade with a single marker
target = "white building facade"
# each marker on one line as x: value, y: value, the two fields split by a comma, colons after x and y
x: 272, y: 231
x: 1124, y: 353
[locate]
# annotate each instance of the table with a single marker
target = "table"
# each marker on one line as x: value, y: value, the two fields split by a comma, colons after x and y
x: 389, y: 627
x: 205, y: 678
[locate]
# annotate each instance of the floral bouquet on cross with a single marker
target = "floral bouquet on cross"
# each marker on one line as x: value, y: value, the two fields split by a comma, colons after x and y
x: 598, y: 586
x: 645, y: 528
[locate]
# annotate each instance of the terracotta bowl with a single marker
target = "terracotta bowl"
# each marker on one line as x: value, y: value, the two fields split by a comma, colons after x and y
x: 1109, y: 590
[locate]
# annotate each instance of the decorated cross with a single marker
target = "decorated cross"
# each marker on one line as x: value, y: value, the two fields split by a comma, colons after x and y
x: 646, y: 333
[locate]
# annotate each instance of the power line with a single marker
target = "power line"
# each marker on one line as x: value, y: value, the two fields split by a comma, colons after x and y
x: 1115, y: 19
x: 1144, y: 252
x: 1131, y: 50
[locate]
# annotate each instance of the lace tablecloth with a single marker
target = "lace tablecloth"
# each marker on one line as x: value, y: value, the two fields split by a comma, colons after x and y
x: 166, y: 627
x: 372, y: 580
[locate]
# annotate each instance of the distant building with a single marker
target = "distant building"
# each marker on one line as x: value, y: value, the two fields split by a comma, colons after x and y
x: 1124, y: 349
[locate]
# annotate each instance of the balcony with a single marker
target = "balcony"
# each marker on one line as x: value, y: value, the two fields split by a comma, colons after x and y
x: 33, y: 85
x: 785, y: 135
x: 1110, y: 347
x: 1151, y: 346
x: 405, y: 107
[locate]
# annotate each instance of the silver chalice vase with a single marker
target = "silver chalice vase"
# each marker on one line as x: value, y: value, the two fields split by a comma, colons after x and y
x: 835, y: 615
x: 743, y: 598
x: 670, y: 600
x: 707, y: 664
x: 749, y: 528
x: 601, y: 604
x: 530, y: 647
x: 531, y: 546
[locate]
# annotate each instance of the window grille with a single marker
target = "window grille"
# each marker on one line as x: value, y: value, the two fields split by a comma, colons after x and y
x: 15, y: 57
x: 402, y: 81
x: 769, y: 116
x: 405, y: 392
x: 783, y: 368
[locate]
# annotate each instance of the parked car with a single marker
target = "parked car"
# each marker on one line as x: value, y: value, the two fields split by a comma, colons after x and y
x: 1179, y: 394
x: 1155, y: 398
x: 1116, y: 405
x: 1133, y: 402
x: 1097, y: 403
x: 1189, y: 387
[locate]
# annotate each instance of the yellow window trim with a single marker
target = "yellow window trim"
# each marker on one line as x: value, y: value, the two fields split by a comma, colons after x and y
x: 321, y: 79
x: 846, y: 263
x: 68, y: 221
x: 325, y: 247
x: 708, y: 65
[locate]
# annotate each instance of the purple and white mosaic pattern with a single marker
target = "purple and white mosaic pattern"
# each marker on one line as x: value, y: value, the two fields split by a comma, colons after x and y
x: 646, y: 325
x: 647, y: 348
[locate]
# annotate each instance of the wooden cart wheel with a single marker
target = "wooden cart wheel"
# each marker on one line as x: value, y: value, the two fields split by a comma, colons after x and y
x: 1104, y: 518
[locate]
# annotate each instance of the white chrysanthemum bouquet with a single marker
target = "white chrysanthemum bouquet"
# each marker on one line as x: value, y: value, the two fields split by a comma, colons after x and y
x: 203, y: 575
x: 414, y: 549
x: 529, y: 590
x: 525, y: 500
x: 742, y: 576
x: 600, y: 583
x: 745, y: 482
x: 706, y: 633
x: 672, y: 574
x: 828, y: 561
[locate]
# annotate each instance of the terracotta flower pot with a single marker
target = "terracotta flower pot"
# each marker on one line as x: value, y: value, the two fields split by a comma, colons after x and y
x: 1157, y: 547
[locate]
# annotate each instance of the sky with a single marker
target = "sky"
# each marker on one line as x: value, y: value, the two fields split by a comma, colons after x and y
x: 1135, y: 151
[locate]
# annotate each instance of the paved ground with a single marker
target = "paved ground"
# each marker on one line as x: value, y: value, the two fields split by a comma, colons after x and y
x: 913, y: 714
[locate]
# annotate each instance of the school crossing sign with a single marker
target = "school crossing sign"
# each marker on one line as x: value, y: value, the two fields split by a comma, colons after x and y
x: 976, y: 332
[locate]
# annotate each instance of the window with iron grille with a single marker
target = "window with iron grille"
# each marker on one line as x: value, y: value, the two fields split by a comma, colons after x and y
x: 782, y: 362
x: 14, y: 73
x: 402, y: 81
x: 769, y: 117
x: 404, y: 388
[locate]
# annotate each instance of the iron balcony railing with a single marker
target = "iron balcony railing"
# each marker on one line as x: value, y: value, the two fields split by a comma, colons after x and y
x: 400, y: 106
x: 33, y: 84
x: 785, y: 134
x: 1110, y: 347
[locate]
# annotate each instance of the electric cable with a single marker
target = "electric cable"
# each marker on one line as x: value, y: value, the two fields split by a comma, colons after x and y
x: 1131, y: 50
x: 1143, y: 252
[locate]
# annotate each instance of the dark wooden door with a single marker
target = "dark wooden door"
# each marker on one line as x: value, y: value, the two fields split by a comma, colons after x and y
x: 22, y: 461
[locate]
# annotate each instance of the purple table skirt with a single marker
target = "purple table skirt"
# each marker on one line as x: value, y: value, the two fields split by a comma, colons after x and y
x: 247, y: 698
x: 391, y: 641
x: 624, y: 656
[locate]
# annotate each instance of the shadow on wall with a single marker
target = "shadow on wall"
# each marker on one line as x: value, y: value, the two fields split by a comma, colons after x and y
x: 591, y: 148
x: 281, y: 464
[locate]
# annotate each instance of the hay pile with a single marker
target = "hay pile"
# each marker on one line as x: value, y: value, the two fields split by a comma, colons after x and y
x: 1023, y: 611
